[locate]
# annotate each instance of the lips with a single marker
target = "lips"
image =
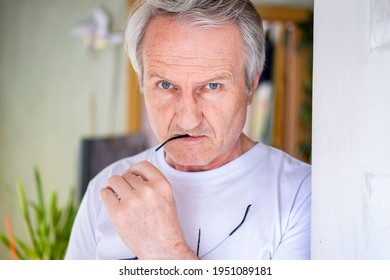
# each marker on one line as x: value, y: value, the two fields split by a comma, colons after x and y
x: 192, y: 138
x: 173, y: 138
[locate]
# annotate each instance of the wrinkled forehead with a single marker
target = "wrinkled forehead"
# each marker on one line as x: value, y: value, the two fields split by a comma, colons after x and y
x: 168, y: 37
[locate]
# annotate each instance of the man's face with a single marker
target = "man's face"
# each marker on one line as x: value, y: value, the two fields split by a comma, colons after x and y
x: 194, y: 83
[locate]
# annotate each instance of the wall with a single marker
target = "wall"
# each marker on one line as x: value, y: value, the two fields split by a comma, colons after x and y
x: 52, y: 93
x: 351, y: 130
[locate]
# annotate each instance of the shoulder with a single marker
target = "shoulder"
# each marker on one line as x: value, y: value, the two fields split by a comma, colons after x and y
x: 283, y: 163
x: 291, y: 176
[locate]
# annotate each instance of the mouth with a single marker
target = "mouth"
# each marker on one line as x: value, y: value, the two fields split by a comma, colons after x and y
x: 172, y: 138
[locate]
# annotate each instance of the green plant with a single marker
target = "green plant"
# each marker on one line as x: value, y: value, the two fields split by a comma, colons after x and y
x: 48, y: 225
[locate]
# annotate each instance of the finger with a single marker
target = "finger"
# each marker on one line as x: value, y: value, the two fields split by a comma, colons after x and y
x: 146, y: 171
x: 119, y: 186
x: 134, y: 180
x: 109, y: 199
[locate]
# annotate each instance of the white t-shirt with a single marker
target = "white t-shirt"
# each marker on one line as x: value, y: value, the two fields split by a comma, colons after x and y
x: 214, y: 202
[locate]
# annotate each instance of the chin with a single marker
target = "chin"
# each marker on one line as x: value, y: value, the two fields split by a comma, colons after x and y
x: 189, y: 162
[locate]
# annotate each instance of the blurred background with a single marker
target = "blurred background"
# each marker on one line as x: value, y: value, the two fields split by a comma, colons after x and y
x: 67, y: 92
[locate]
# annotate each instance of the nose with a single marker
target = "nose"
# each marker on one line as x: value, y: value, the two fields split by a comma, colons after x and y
x: 188, y: 112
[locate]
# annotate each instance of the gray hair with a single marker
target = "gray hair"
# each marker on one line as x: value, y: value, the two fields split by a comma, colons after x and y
x: 207, y: 13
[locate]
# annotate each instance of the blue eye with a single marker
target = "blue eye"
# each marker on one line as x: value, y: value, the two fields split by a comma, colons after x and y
x: 165, y: 85
x: 213, y: 85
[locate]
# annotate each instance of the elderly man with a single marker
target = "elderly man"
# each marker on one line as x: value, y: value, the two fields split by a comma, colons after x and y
x: 210, y: 192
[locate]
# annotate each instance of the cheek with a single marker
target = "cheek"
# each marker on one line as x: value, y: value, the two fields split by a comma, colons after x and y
x: 227, y: 119
x: 233, y: 111
x: 158, y: 115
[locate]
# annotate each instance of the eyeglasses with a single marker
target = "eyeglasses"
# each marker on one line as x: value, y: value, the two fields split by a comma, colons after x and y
x: 226, y: 238
x: 219, y: 244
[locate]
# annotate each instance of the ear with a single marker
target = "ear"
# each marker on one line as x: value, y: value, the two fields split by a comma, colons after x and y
x: 254, y: 84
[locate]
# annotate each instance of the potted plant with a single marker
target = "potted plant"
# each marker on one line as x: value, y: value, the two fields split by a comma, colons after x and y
x: 48, y: 225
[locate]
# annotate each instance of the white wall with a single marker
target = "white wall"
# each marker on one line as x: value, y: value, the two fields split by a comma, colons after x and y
x: 52, y: 93
x: 351, y: 130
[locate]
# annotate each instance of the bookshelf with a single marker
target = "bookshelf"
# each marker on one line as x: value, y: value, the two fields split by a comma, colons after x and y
x: 287, y: 125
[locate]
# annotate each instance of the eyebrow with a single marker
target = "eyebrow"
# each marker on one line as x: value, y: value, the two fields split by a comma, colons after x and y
x: 219, y: 76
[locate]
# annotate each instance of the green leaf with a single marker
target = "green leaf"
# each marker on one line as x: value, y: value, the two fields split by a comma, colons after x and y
x: 25, y: 212
x: 47, y: 224
x: 26, y: 252
x: 41, y: 198
x: 4, y: 239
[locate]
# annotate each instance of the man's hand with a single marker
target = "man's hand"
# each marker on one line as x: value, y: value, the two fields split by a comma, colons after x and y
x: 143, y: 211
